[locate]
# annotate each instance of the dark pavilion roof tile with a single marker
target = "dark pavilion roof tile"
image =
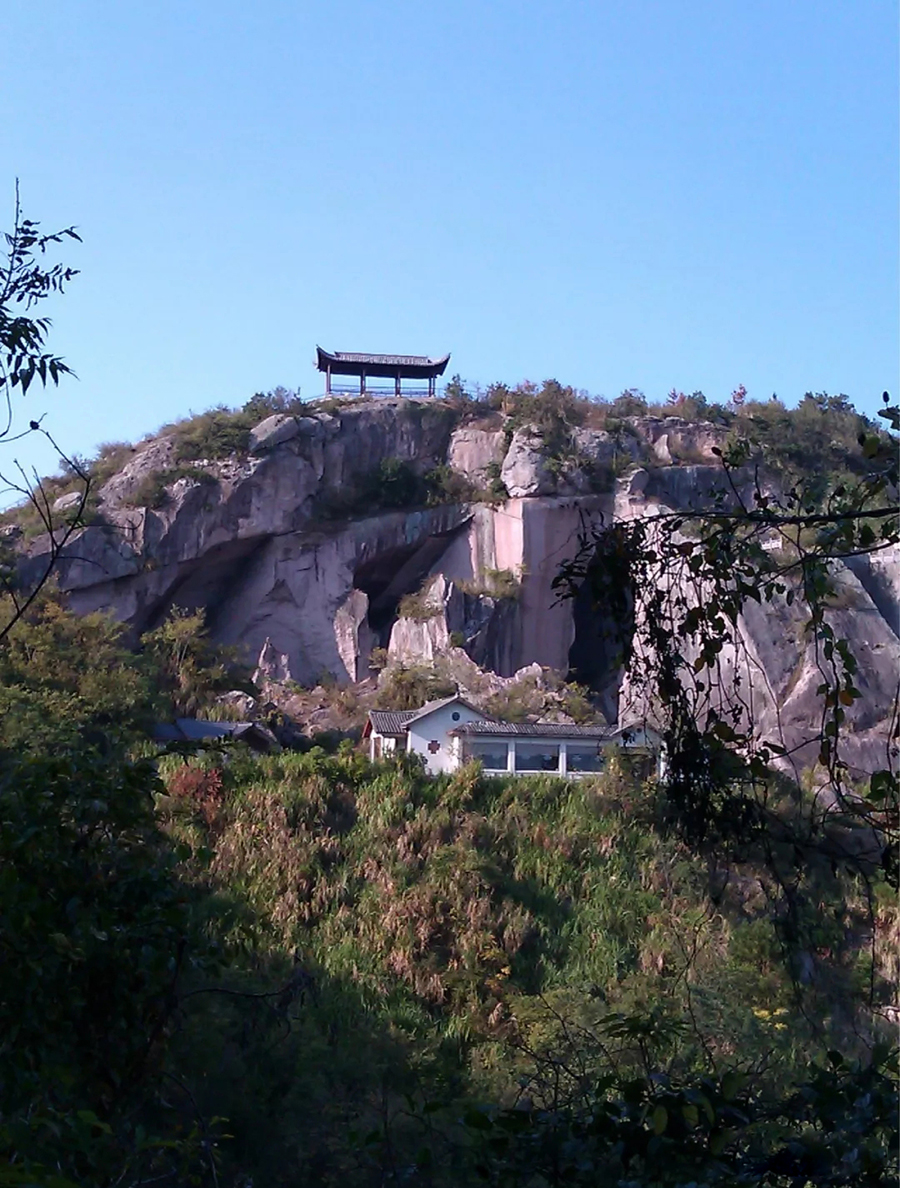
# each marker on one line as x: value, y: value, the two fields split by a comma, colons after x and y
x: 351, y: 363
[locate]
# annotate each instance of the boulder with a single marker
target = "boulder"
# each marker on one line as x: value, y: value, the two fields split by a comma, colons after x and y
x: 281, y: 427
x: 68, y: 502
x: 149, y: 458
x: 524, y: 470
x: 272, y: 666
x: 473, y: 450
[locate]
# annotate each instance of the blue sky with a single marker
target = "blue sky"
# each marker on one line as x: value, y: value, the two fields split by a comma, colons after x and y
x: 677, y: 193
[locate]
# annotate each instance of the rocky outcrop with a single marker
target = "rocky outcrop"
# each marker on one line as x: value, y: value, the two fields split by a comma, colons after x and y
x: 472, y: 451
x: 292, y: 568
x: 525, y: 471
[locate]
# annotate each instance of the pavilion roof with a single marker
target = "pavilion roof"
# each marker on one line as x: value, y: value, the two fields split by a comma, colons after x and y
x: 380, y: 366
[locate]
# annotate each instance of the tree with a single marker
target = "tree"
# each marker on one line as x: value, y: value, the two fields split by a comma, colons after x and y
x: 24, y: 283
x: 677, y: 584
x: 99, y: 930
x: 67, y: 680
x: 189, y: 668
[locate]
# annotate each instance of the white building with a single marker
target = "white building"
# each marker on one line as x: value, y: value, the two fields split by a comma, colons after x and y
x: 451, y: 732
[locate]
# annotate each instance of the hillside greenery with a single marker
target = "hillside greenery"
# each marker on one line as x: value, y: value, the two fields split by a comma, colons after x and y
x: 307, y: 969
x: 311, y: 969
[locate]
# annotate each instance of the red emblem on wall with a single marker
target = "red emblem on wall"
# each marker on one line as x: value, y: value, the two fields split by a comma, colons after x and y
x: 434, y: 746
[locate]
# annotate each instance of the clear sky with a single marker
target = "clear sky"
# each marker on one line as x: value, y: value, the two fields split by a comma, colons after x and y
x: 639, y: 193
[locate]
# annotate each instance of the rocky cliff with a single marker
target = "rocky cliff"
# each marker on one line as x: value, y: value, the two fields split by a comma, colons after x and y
x: 287, y: 549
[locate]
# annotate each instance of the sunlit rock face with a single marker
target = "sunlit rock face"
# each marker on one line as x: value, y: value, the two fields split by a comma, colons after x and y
x: 289, y: 562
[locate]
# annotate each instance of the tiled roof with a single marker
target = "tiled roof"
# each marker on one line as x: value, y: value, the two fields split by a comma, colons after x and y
x: 353, y: 363
x: 430, y: 706
x: 390, y: 360
x: 199, y: 729
x: 397, y: 721
x: 536, y: 730
x: 391, y: 721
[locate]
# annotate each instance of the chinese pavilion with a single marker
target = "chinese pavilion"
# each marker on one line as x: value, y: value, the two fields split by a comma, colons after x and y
x: 392, y: 367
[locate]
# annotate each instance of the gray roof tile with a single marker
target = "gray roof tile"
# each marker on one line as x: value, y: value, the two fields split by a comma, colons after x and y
x: 537, y: 730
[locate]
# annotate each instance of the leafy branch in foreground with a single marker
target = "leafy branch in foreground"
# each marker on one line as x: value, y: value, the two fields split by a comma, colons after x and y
x: 679, y: 586
x: 24, y: 283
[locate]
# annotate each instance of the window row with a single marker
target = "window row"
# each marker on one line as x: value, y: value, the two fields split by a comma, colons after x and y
x: 532, y: 757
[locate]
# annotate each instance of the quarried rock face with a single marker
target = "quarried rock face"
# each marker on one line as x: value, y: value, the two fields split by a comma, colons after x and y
x: 256, y: 542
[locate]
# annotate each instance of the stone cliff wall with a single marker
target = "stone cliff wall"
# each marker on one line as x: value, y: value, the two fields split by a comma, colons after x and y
x: 256, y: 541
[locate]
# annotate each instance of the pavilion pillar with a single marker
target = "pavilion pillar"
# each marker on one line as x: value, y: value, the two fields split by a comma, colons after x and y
x: 362, y: 382
x: 397, y: 383
x: 328, y: 380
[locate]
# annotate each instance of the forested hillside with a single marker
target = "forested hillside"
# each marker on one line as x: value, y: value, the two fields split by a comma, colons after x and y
x: 304, y: 968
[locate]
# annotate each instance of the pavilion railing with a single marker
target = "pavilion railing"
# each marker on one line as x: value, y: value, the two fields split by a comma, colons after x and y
x: 353, y: 389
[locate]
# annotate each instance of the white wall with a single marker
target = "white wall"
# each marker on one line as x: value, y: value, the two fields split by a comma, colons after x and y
x: 436, y: 728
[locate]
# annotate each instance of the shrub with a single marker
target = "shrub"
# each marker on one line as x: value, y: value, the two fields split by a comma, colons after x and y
x: 218, y: 433
x: 417, y: 606
x: 153, y: 490
x: 269, y: 404
x: 443, y: 484
x: 201, y: 786
x: 192, y: 669
x: 496, y: 490
x: 409, y: 687
x: 493, y: 583
x: 111, y: 458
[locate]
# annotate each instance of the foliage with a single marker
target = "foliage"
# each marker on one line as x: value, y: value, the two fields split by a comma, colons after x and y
x: 817, y: 443
x: 66, y: 678
x: 269, y: 404
x: 24, y: 283
x: 223, y: 432
x: 496, y: 490
x: 98, y: 925
x: 419, y: 606
x: 493, y: 583
x: 443, y: 484
x: 217, y: 433
x: 678, y: 584
x: 531, y: 943
x: 395, y: 484
x: 409, y: 686
x: 531, y: 699
x: 23, y: 339
x: 837, y: 1128
x: 153, y: 491
x: 191, y: 669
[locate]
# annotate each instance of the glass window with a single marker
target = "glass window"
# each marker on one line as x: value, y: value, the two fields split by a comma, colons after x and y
x: 537, y: 757
x: 492, y: 755
x: 584, y: 758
